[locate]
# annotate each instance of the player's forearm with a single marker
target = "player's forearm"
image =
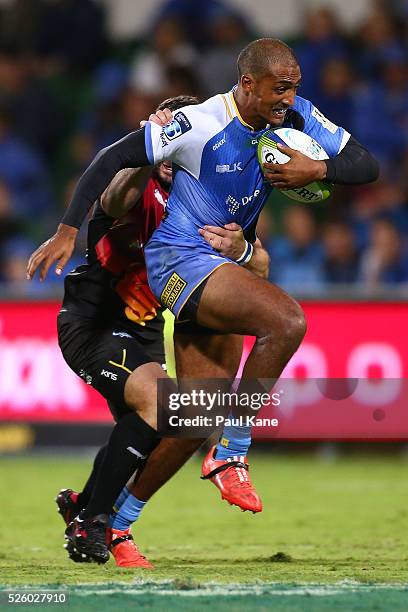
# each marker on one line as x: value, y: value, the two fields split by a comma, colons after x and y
x: 259, y: 262
x: 354, y: 165
x: 125, y: 190
x: 129, y: 152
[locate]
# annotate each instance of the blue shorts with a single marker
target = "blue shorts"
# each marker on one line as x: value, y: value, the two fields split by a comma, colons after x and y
x: 175, y: 271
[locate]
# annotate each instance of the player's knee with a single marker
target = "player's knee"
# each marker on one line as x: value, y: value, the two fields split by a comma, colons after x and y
x: 286, y: 327
x: 140, y: 393
x: 294, y: 326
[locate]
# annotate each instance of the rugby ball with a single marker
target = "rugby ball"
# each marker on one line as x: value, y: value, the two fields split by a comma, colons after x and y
x: 269, y: 152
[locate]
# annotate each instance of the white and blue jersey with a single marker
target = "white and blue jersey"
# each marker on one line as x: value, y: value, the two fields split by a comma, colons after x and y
x: 216, y: 180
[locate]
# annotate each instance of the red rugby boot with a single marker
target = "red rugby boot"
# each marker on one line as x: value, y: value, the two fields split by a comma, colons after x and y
x: 231, y: 476
x: 125, y: 551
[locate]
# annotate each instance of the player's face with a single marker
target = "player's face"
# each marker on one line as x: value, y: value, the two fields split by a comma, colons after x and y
x: 164, y: 173
x: 272, y: 95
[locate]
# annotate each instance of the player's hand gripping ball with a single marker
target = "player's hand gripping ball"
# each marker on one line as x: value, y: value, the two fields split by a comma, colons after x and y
x: 268, y: 152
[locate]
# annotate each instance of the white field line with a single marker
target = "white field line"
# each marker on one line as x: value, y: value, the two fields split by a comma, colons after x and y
x: 168, y: 588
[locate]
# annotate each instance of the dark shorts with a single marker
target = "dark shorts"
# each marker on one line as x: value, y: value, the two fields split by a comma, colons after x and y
x: 104, y: 356
x: 188, y: 313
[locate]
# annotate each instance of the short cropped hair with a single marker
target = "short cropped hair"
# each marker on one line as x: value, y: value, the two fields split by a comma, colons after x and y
x: 258, y: 56
x: 178, y: 102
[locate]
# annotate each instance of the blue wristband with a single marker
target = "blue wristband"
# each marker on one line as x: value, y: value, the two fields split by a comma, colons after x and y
x: 246, y: 255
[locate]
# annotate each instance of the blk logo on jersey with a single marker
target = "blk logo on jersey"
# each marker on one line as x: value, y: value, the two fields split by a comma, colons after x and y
x: 222, y: 168
x: 180, y: 125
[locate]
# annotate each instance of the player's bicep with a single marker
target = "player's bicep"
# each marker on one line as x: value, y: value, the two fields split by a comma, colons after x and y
x: 125, y: 190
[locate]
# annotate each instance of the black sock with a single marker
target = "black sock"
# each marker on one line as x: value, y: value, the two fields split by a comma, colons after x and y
x: 85, y: 495
x: 131, y: 440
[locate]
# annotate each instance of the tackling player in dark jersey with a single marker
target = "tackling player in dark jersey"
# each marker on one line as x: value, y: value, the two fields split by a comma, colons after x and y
x: 108, y: 315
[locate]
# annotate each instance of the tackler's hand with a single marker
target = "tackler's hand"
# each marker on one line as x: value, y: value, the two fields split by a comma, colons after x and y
x: 57, y: 248
x: 229, y: 240
x: 160, y: 117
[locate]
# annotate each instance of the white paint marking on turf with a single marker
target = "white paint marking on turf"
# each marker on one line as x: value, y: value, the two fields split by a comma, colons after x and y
x: 167, y: 588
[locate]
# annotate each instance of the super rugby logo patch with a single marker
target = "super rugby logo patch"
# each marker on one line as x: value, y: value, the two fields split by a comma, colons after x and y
x: 172, y: 291
x: 180, y: 125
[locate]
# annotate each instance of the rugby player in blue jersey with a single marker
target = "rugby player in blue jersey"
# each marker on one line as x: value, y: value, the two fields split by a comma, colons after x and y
x: 210, y: 294
x: 107, y: 308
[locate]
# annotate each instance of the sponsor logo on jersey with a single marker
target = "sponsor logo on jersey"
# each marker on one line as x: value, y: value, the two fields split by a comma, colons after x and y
x: 323, y: 120
x: 172, y: 291
x: 110, y: 375
x: 87, y: 377
x: 234, y: 204
x: 121, y: 334
x: 247, y: 199
x: 180, y: 125
x: 219, y: 143
x: 222, y: 168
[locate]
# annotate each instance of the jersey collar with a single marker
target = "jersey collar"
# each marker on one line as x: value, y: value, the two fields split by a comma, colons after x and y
x: 232, y: 109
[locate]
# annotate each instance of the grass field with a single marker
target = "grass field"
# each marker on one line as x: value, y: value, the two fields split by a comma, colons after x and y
x: 332, y: 533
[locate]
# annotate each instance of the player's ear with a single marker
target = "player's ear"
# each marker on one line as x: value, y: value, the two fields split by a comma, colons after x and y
x: 247, y: 83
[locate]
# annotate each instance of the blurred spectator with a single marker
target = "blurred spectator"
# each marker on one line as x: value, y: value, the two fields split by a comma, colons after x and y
x: 136, y: 106
x: 335, y: 95
x: 296, y: 257
x: 22, y: 169
x: 193, y: 16
x: 20, y: 24
x: 399, y: 9
x: 28, y: 99
x: 340, y: 264
x: 385, y: 260
x: 228, y: 34
x: 381, y: 113
x: 384, y: 198
x: 377, y: 37
x: 71, y: 34
x: 10, y: 225
x: 14, y: 257
x: 321, y: 41
x: 168, y: 48
x: 180, y: 80
x: 109, y: 120
x: 102, y: 124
